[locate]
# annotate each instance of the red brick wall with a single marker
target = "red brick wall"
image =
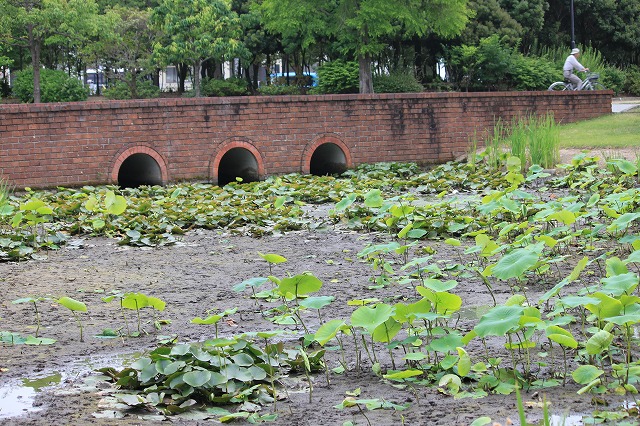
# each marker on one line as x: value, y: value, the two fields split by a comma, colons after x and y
x: 72, y: 144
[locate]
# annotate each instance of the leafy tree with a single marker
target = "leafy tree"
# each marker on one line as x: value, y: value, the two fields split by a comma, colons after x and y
x: 130, y: 45
x: 608, y: 26
x: 261, y: 46
x: 483, y: 66
x: 612, y: 27
x: 196, y: 30
x: 491, y: 19
x: 34, y: 23
x: 302, y: 25
x: 529, y: 14
x: 362, y: 28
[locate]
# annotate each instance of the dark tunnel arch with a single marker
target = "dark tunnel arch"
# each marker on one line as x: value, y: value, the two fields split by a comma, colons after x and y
x: 139, y: 169
x: 238, y: 163
x: 328, y: 159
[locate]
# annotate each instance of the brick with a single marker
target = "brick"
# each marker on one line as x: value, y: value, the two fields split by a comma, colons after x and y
x: 82, y: 143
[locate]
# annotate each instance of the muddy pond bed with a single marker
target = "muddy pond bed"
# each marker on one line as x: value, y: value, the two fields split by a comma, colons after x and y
x: 422, y: 323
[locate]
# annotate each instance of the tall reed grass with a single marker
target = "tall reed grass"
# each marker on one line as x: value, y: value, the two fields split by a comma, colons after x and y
x: 533, y: 139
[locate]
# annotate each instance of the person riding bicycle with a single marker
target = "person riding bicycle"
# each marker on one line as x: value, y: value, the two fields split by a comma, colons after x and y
x: 572, y: 64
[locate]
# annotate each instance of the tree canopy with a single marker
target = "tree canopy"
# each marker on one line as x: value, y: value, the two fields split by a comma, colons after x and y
x: 196, y: 30
x: 33, y: 24
x: 138, y: 37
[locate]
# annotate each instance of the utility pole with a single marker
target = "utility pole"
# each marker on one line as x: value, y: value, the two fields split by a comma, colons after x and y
x: 573, y: 34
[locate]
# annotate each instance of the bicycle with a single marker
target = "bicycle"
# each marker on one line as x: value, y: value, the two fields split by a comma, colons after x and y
x: 590, y: 83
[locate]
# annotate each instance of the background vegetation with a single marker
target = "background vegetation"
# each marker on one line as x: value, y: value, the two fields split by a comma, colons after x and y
x: 393, y: 44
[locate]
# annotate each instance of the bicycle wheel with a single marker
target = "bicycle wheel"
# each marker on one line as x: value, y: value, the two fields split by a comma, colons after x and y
x: 597, y: 86
x: 559, y: 86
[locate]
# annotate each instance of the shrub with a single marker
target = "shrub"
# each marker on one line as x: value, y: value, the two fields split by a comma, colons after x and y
x: 338, y: 77
x: 300, y: 81
x: 229, y: 87
x: 632, y: 81
x: 396, y: 83
x: 532, y: 73
x: 613, y: 78
x: 55, y: 86
x: 275, y: 90
x: 145, y: 88
x: 481, y: 67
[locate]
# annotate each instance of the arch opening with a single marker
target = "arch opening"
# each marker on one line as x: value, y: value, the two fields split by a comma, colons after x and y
x: 328, y: 159
x: 238, y: 163
x: 139, y: 169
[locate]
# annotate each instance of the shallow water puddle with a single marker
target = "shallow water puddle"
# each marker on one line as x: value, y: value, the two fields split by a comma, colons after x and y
x: 574, y: 420
x: 17, y: 399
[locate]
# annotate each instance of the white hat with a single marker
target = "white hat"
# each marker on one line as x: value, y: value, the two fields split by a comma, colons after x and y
x: 574, y: 51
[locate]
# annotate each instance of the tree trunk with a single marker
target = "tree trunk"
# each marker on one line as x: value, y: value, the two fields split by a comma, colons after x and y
x: 34, y: 47
x: 182, y: 76
x: 133, y: 84
x: 217, y: 71
x: 366, y: 78
x: 196, y: 76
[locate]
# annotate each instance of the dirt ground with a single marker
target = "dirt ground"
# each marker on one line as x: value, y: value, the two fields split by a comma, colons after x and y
x: 197, y: 275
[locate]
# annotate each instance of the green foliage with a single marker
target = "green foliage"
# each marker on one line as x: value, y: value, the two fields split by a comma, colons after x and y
x: 533, y: 139
x: 400, y: 82
x: 338, y: 77
x: 531, y: 73
x: 175, y: 378
x: 137, y: 301
x: 481, y: 67
x: 56, y: 86
x: 632, y: 80
x: 228, y: 87
x: 5, y: 89
x: 196, y: 30
x: 277, y: 90
x: 121, y: 90
x: 613, y: 78
x: 74, y: 306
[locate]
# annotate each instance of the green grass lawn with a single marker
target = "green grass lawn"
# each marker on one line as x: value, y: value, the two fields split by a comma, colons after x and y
x: 620, y: 130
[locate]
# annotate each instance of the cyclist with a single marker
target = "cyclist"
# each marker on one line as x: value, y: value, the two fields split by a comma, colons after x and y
x: 572, y: 64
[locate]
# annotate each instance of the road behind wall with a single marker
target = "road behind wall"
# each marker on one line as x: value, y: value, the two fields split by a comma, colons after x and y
x: 72, y: 144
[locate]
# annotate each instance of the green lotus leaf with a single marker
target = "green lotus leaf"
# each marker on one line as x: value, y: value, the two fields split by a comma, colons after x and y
x: 515, y: 264
x: 499, y: 321
x: 370, y: 318
x: 197, y: 378
x: 329, y: 330
x: 72, y: 304
x: 586, y: 374
x: 272, y: 258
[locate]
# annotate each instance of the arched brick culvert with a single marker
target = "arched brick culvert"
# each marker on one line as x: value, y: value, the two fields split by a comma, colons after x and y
x: 326, y: 155
x: 236, y: 158
x: 139, y: 165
